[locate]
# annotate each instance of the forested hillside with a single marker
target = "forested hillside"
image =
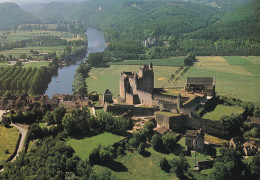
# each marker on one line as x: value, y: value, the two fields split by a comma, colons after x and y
x: 172, y: 27
x: 12, y: 14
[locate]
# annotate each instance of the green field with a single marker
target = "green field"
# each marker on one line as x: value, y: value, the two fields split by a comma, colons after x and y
x: 36, y: 64
x: 139, y: 167
x: 222, y: 110
x: 8, y: 140
x: 174, y: 61
x: 12, y: 36
x: 84, y: 146
x: 237, y: 60
x: 240, y: 81
x: 108, y: 78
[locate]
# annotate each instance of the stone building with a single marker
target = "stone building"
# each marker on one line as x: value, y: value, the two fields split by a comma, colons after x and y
x: 195, y: 140
x: 136, y: 88
x: 204, y: 85
x: 107, y: 96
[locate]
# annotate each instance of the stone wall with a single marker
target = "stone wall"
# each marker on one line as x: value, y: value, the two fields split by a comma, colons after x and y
x: 145, y: 98
x: 178, y: 123
x: 119, y: 109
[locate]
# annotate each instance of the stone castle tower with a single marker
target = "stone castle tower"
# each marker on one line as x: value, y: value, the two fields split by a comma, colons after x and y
x: 134, y: 86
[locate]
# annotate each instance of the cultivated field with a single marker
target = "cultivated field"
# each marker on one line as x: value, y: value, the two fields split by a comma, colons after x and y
x: 235, y: 75
x: 8, y: 140
x: 222, y: 110
x: 108, y: 78
x: 84, y: 146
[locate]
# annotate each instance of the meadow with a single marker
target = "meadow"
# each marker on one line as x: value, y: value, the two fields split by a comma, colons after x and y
x: 140, y: 167
x: 84, y: 146
x: 173, y: 61
x: 8, y: 140
x: 222, y: 110
x: 108, y: 78
x: 16, y: 52
x: 239, y: 79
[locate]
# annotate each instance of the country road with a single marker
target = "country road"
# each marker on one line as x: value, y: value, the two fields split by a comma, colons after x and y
x: 23, y: 131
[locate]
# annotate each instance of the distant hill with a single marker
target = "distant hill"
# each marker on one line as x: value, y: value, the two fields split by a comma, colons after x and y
x: 12, y: 14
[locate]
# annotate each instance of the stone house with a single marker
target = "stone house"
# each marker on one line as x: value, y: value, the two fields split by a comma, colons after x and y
x: 195, y: 140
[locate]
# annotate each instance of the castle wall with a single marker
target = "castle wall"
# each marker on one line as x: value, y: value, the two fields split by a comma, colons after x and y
x: 145, y: 98
x: 180, y: 122
x: 129, y: 98
x: 165, y: 97
x: 137, y: 111
x: 122, y: 87
x: 146, y: 82
x: 166, y: 105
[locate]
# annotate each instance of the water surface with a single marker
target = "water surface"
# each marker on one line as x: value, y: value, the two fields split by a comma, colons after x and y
x: 62, y: 84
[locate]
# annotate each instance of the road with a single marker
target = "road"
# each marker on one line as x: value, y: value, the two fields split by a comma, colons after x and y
x: 23, y: 131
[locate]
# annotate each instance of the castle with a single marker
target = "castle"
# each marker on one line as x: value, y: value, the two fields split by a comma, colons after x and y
x: 137, y: 88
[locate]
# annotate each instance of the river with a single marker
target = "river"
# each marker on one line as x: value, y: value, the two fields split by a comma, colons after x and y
x: 62, y: 84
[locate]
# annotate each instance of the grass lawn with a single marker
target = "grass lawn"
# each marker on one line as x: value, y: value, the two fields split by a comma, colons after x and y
x: 173, y: 61
x: 222, y: 110
x: 8, y: 140
x: 108, y: 78
x: 84, y: 146
x: 139, y: 167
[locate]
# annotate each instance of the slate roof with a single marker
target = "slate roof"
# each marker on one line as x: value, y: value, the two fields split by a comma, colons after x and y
x: 107, y: 92
x: 201, y: 80
x: 161, y: 130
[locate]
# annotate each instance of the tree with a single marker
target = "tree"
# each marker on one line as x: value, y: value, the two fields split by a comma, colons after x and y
x: 157, y: 142
x: 49, y: 118
x: 6, y: 121
x: 22, y: 56
x: 34, y: 132
x: 188, y: 61
x: 255, y: 166
x: 179, y: 166
x: 95, y: 59
x: 141, y: 148
x: 164, y: 165
x: 59, y: 113
x: 169, y: 140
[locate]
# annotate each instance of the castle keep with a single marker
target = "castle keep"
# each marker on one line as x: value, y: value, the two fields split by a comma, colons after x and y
x: 137, y: 88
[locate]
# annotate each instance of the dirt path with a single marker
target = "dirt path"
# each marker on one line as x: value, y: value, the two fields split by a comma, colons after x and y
x: 23, y: 131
